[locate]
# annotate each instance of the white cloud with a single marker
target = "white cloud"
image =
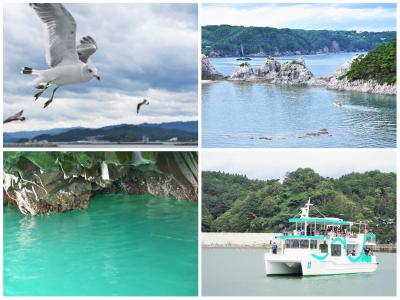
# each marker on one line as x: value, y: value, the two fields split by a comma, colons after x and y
x: 98, y: 109
x: 145, y: 50
x: 274, y: 164
x: 303, y: 16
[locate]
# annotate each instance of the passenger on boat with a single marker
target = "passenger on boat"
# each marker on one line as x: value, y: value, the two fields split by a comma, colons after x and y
x: 285, y: 231
x: 353, y: 253
x: 274, y: 248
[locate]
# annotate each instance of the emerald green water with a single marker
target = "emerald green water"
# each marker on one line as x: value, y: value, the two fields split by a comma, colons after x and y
x: 120, y: 245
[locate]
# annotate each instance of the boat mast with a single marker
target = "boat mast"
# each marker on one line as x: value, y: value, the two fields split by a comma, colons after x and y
x: 305, y: 214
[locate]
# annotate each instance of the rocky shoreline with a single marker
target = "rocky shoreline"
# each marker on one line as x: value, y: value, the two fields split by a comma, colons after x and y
x: 54, y: 191
x: 296, y: 73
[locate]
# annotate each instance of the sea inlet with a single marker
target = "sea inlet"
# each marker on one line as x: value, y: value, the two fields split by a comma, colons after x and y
x: 121, y: 245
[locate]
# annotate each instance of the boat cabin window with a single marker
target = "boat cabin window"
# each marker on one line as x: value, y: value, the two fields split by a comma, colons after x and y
x: 292, y: 243
x: 323, y: 248
x: 336, y: 250
x: 313, y: 244
x: 304, y: 244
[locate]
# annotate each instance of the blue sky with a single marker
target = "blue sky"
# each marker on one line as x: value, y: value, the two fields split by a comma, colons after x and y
x: 341, y: 16
x: 273, y: 164
x: 145, y: 51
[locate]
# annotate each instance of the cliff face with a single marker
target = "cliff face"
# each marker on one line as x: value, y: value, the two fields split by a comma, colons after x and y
x: 69, y: 185
x: 339, y: 82
x: 208, y: 72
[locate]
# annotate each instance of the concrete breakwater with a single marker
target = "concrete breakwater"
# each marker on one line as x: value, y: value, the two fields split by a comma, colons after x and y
x: 259, y: 240
x: 236, y: 239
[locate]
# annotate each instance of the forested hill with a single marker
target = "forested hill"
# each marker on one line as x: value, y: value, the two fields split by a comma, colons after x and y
x: 234, y: 203
x: 226, y: 40
x: 378, y: 64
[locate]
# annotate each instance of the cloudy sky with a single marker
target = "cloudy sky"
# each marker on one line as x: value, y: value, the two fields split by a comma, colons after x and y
x: 274, y: 164
x: 364, y: 17
x: 144, y: 51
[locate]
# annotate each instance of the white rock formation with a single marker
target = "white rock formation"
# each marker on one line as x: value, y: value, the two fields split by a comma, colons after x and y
x: 243, y: 72
x: 269, y: 70
x: 336, y: 82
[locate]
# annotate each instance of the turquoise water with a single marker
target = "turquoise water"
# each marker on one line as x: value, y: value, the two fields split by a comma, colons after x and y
x: 241, y: 272
x: 237, y: 114
x: 120, y: 245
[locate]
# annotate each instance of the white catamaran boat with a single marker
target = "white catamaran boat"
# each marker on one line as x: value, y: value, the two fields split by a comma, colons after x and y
x: 322, y: 246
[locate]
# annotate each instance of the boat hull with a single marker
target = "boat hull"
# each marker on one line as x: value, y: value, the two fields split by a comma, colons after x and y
x: 280, y: 265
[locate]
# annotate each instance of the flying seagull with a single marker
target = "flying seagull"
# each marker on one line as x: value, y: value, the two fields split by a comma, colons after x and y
x: 144, y: 102
x: 17, y: 117
x: 69, y: 64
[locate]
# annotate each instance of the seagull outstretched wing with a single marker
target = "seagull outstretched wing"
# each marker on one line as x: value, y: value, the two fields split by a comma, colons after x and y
x: 60, y: 32
x: 86, y: 48
x: 15, y: 117
x: 140, y: 104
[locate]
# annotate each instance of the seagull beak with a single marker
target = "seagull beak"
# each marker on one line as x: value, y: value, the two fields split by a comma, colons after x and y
x: 97, y: 77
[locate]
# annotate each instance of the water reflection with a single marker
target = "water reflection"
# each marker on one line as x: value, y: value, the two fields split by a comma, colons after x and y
x: 238, y: 114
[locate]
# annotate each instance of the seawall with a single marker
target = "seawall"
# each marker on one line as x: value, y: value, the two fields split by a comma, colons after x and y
x: 258, y: 240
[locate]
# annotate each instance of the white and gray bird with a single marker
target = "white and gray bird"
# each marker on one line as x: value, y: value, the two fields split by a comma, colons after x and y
x: 69, y: 64
x: 16, y: 117
x: 144, y: 102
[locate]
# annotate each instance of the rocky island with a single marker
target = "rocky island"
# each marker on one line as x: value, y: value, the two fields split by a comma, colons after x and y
x: 296, y: 72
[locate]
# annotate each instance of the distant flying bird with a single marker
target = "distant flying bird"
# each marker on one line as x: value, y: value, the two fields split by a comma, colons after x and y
x: 68, y: 63
x: 17, y: 117
x: 144, y: 102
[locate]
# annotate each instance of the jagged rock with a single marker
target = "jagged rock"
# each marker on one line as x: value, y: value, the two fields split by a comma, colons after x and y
x: 269, y: 70
x: 69, y: 186
x: 35, y: 199
x: 208, y: 72
x: 339, y: 82
x: 243, y: 72
x: 294, y: 73
x: 155, y: 183
x: 322, y: 131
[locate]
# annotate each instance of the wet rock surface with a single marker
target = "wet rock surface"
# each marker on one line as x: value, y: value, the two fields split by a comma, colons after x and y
x: 173, y: 174
x: 320, y: 132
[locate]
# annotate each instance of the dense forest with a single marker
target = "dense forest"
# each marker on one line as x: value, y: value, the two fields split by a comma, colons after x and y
x: 226, y: 40
x: 234, y: 203
x: 378, y: 64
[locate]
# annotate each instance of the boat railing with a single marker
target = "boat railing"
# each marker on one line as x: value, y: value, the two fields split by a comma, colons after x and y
x: 321, y: 233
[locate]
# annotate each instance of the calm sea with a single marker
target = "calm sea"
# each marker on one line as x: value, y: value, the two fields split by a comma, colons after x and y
x: 243, y: 114
x: 241, y: 272
x: 120, y: 245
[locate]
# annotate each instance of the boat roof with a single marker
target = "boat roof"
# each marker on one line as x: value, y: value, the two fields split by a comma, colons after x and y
x: 303, y: 237
x: 321, y: 220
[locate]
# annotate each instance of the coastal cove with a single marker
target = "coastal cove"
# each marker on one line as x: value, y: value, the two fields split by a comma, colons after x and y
x: 120, y: 245
x: 240, y: 272
x: 262, y: 114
